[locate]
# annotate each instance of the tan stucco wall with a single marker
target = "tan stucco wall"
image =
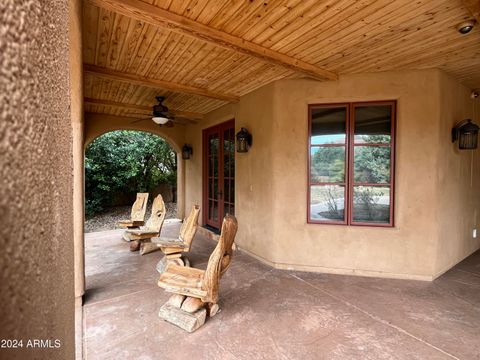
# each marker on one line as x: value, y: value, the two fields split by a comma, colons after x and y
x: 76, y: 109
x: 458, y: 177
x: 254, y: 169
x: 36, y: 236
x: 271, y: 179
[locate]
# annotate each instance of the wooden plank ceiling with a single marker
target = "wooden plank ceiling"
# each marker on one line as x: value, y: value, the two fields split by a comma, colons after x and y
x: 197, y: 75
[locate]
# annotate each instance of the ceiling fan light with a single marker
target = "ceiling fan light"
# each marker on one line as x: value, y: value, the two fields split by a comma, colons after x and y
x: 160, y: 120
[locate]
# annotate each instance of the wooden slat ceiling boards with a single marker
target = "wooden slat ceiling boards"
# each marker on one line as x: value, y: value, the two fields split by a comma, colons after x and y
x: 201, y: 54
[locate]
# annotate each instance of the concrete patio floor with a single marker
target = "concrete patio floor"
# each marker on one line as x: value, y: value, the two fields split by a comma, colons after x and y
x: 274, y: 314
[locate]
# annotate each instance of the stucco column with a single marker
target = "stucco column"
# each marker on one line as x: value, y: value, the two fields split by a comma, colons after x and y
x: 76, y: 88
x: 180, y: 186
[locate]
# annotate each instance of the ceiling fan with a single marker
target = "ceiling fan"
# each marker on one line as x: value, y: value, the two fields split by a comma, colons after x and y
x: 160, y: 115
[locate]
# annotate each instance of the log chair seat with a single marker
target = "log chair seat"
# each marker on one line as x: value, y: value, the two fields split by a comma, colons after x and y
x: 183, y: 280
x: 169, y: 242
x: 174, y: 247
x: 138, y: 234
x: 203, y: 284
x: 130, y: 223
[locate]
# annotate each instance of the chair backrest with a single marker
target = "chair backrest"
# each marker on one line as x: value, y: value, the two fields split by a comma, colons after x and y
x: 157, y: 217
x: 189, y: 227
x: 220, y: 259
x: 139, y: 207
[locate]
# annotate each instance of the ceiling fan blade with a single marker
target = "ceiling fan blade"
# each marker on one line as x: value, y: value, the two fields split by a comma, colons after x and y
x: 182, y: 121
x: 170, y: 124
x: 139, y: 120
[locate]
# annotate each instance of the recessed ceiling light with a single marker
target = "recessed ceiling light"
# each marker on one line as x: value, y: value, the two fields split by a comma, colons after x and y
x: 465, y: 27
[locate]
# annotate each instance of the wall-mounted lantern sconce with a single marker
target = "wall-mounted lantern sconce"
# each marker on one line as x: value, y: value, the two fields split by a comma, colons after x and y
x: 187, y: 151
x: 466, y: 133
x: 244, y: 140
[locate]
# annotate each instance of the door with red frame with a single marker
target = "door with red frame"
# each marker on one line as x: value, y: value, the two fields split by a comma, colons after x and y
x: 218, y: 173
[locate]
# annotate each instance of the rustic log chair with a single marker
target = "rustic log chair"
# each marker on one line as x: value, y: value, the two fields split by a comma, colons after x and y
x: 152, y: 227
x: 137, y: 215
x: 202, y: 284
x: 174, y: 247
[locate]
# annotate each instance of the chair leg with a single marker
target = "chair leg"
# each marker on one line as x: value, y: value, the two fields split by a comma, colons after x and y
x: 126, y: 236
x: 135, y: 245
x: 212, y: 309
x: 185, y: 260
x: 162, y: 264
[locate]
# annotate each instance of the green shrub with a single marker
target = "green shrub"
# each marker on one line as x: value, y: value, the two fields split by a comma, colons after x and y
x: 126, y: 161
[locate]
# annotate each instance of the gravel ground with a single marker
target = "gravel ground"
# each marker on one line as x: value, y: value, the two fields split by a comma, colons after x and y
x: 108, y: 220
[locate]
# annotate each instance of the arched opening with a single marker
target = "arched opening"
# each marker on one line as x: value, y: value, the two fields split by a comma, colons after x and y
x: 119, y: 164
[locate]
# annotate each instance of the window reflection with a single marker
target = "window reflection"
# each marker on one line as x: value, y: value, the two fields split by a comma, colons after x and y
x: 327, y: 202
x: 373, y: 124
x: 327, y: 164
x: 328, y: 126
x: 371, y: 204
x: 372, y: 164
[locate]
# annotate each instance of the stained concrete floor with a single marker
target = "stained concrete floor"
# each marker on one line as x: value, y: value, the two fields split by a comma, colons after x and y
x: 273, y: 314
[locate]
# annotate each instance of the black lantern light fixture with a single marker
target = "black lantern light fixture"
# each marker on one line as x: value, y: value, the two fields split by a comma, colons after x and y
x: 187, y: 151
x: 466, y: 133
x: 244, y: 140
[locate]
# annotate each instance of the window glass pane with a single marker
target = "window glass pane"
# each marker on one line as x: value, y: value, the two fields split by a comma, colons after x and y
x: 327, y: 164
x: 215, y: 210
x: 327, y: 202
x: 210, y: 166
x: 373, y: 124
x: 232, y: 190
x: 210, y: 209
x: 372, y: 164
x: 371, y: 204
x: 226, y: 164
x: 328, y: 125
x: 215, y: 189
x: 226, y: 190
x: 228, y: 151
x: 215, y: 166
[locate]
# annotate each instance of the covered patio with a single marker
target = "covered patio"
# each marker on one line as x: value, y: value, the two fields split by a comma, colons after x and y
x: 277, y: 314
x: 341, y: 136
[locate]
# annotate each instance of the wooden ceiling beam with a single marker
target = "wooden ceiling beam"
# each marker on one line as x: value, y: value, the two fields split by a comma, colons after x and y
x: 191, y: 116
x: 159, y: 84
x: 159, y: 17
x: 474, y: 7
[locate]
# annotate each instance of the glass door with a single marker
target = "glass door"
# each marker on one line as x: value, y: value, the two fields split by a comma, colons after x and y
x: 219, y: 173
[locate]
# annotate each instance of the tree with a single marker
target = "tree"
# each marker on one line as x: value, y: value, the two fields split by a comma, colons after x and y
x: 127, y: 161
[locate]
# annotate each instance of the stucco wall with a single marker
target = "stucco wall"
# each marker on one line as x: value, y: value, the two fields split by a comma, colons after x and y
x: 458, y: 177
x: 271, y: 179
x: 253, y: 190
x: 36, y: 261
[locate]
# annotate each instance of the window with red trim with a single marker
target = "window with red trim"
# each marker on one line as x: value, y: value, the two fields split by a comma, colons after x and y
x: 351, y: 163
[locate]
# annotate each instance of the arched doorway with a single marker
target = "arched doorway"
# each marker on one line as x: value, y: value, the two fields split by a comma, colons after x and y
x: 94, y: 126
x: 118, y: 164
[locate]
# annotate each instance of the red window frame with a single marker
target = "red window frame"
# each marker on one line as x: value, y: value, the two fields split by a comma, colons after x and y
x: 350, y: 145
